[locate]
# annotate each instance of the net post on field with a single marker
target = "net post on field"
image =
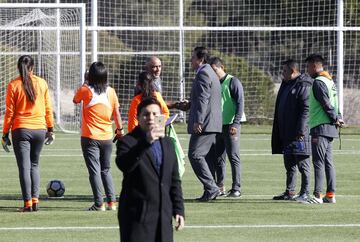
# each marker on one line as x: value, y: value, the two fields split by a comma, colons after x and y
x: 54, y: 35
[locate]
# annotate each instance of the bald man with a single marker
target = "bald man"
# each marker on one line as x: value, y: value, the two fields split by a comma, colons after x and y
x: 152, y: 66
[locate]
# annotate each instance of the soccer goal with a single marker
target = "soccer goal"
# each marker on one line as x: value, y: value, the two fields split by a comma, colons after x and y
x: 54, y: 35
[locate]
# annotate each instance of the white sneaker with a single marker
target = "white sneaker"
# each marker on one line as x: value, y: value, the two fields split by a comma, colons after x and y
x: 96, y: 208
x: 111, y: 206
x: 302, y: 198
x: 329, y: 199
x: 315, y: 200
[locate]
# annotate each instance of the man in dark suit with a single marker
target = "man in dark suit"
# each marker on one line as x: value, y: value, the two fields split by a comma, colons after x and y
x: 205, y: 121
x: 290, y: 134
x: 151, y: 189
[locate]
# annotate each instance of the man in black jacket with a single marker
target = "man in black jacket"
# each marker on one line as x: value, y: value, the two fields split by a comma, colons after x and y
x: 290, y: 134
x: 151, y: 190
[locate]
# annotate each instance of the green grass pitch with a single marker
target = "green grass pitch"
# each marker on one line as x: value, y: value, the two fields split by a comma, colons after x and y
x: 253, y: 217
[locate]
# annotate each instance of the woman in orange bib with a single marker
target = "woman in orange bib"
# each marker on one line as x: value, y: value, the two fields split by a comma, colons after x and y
x: 99, y: 106
x: 146, y: 86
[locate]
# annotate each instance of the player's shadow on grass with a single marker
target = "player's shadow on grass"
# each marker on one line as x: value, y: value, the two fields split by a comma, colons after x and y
x: 45, y: 208
x: 68, y: 203
x: 80, y: 198
x: 75, y: 198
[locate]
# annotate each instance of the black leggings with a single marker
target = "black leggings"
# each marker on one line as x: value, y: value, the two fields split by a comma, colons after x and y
x: 27, y: 147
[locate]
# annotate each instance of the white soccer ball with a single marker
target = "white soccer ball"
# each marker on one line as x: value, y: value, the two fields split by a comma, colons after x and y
x: 55, y: 188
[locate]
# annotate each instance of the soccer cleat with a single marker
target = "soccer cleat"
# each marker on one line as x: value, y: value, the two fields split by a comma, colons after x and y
x: 25, y: 209
x: 302, y: 198
x: 111, y: 206
x: 35, y: 204
x: 35, y: 207
x: 327, y: 199
x: 96, y: 208
x: 315, y: 200
x: 284, y: 196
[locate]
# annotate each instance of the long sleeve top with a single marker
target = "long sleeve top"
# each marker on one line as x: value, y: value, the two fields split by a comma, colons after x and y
x: 132, y: 115
x: 21, y: 113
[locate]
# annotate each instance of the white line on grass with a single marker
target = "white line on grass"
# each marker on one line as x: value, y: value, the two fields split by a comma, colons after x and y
x: 244, y: 197
x: 269, y: 139
x: 271, y: 226
x: 80, y: 155
x: 264, y: 226
x: 242, y: 150
x: 186, y: 137
x: 247, y: 196
x: 185, y: 151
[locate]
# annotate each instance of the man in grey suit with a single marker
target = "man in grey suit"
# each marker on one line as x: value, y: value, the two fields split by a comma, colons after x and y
x: 205, y: 121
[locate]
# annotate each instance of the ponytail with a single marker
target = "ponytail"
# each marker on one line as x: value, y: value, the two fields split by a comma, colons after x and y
x: 25, y: 65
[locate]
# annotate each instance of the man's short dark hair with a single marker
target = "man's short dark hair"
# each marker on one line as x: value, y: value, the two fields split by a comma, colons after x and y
x: 202, y: 53
x: 292, y: 64
x: 146, y: 102
x: 216, y: 61
x: 315, y: 58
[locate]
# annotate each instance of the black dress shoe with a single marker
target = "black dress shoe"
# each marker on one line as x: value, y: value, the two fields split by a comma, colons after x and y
x: 284, y: 196
x: 207, y: 197
x: 25, y: 209
x: 202, y: 196
x: 215, y: 195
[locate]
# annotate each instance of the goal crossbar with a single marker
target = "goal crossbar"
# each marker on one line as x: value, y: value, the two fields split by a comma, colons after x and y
x: 224, y: 28
x: 42, y: 5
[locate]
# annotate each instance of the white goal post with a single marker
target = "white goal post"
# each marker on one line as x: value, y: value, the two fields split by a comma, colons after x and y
x: 54, y: 35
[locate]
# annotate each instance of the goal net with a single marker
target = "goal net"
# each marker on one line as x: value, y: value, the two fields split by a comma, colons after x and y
x: 252, y: 37
x: 52, y: 36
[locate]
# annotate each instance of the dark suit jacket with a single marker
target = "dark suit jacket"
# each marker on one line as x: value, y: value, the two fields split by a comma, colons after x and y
x: 294, y: 116
x: 147, y: 198
x: 205, y: 99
